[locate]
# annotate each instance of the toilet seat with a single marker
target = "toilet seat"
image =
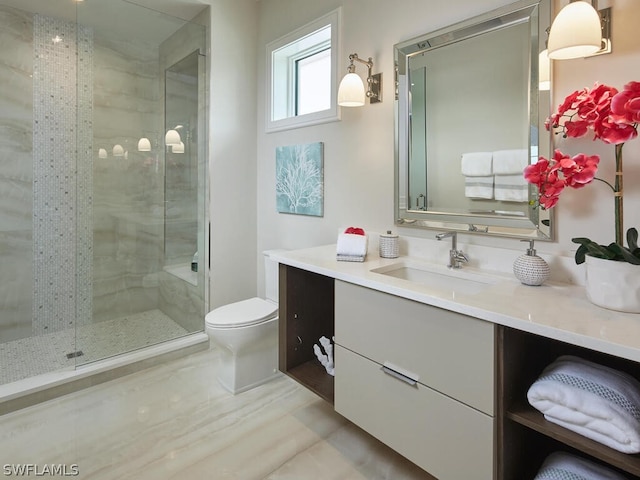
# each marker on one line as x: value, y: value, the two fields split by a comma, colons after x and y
x: 242, y: 314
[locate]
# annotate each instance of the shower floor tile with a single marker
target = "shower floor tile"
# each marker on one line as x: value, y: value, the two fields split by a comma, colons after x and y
x: 32, y: 356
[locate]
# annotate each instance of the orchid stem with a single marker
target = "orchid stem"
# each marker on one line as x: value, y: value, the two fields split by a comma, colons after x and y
x: 605, y: 182
x: 618, y: 191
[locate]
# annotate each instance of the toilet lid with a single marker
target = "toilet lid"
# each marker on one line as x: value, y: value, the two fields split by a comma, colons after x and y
x: 243, y: 313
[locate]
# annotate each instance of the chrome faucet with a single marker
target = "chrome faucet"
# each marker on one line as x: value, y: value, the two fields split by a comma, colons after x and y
x: 456, y: 257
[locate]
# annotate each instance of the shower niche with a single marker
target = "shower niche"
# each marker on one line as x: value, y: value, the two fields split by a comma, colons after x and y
x: 182, y: 209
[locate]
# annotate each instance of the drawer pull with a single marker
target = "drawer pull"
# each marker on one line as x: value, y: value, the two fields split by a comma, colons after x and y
x: 400, y: 373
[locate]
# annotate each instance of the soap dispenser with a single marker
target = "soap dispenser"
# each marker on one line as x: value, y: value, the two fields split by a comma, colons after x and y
x: 531, y: 269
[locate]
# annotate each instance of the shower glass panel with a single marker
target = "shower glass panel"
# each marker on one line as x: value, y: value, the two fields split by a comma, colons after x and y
x: 84, y: 196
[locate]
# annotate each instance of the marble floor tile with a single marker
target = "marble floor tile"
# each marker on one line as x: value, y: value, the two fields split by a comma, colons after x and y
x: 174, y: 421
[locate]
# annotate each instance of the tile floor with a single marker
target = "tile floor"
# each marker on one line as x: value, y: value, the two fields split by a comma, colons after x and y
x: 173, y: 421
x: 32, y: 356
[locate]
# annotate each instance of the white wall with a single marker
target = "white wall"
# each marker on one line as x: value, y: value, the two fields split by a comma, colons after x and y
x: 359, y: 149
x: 232, y: 146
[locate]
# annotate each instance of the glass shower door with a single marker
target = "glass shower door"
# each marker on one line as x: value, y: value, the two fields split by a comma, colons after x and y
x: 136, y: 300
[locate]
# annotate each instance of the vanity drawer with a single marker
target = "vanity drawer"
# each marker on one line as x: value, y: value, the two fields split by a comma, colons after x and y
x: 444, y: 437
x: 450, y: 352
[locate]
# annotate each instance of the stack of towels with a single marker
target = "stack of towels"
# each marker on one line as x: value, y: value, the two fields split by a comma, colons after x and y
x: 352, y: 245
x: 496, y: 175
x: 563, y: 466
x: 592, y: 400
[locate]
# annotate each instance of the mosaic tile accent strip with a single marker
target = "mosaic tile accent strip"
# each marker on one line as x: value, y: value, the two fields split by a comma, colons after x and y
x: 62, y: 174
x: 32, y: 356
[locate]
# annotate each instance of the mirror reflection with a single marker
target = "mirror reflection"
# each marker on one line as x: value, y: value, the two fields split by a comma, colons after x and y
x: 468, y: 123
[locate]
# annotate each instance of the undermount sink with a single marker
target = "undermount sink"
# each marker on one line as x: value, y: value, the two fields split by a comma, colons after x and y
x: 438, y: 277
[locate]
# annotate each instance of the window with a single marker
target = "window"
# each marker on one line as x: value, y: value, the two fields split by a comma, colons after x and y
x: 313, y: 83
x: 302, y: 70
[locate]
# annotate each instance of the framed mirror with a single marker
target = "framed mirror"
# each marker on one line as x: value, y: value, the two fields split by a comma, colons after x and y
x: 470, y: 112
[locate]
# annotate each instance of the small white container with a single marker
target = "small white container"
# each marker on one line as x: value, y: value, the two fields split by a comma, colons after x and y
x: 389, y: 247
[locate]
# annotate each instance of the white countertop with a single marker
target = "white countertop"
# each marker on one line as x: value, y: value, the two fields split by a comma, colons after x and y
x: 553, y: 310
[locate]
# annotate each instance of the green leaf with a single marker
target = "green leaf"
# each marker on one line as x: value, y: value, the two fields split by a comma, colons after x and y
x: 600, y: 251
x: 624, y: 254
x: 581, y: 254
x: 632, y: 239
x: 612, y: 251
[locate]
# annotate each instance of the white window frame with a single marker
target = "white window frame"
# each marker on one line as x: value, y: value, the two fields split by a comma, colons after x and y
x: 283, y: 86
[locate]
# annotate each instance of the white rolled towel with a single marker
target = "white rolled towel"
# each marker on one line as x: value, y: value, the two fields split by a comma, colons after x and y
x: 592, y: 400
x: 561, y: 466
x: 351, y: 245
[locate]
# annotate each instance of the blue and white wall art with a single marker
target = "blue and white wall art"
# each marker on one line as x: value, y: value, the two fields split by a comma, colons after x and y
x: 300, y: 179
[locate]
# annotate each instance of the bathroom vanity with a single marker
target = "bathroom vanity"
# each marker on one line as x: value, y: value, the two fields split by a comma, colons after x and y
x: 436, y: 364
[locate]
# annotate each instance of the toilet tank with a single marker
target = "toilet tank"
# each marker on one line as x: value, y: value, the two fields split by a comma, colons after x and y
x: 271, y: 276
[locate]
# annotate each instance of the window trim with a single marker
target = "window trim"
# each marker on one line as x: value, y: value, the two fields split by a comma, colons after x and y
x: 296, y: 121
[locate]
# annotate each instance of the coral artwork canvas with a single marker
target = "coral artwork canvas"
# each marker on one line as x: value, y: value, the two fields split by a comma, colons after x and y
x: 300, y: 179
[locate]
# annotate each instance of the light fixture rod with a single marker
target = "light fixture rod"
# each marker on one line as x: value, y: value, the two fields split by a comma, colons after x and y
x: 374, y: 82
x: 354, y: 56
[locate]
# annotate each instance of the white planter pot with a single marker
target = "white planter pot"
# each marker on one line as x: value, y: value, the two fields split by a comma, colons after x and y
x: 613, y: 285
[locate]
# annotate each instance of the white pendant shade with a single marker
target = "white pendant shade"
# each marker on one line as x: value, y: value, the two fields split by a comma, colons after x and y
x: 102, y: 153
x: 172, y: 137
x: 179, y: 148
x: 144, y: 145
x: 544, y: 74
x: 351, y: 91
x: 576, y: 32
x: 118, y: 151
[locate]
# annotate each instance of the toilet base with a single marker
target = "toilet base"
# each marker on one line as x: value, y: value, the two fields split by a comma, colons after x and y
x: 244, y: 371
x: 244, y: 388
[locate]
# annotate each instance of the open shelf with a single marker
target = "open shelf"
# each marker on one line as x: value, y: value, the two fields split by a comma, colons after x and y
x: 306, y: 314
x: 525, y: 437
x: 313, y: 376
x: 529, y: 417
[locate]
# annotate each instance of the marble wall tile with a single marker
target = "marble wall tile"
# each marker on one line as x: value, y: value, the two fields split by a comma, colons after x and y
x: 16, y: 173
x: 16, y: 280
x: 182, y: 302
x: 128, y: 241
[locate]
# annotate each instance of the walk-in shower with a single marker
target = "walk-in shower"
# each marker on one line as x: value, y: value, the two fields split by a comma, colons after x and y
x: 102, y: 214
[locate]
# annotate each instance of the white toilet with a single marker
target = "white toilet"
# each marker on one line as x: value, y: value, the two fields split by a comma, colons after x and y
x: 246, y: 334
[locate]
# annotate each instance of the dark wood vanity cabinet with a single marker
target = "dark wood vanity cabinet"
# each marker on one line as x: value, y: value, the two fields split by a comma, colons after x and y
x: 524, y: 437
x: 306, y: 311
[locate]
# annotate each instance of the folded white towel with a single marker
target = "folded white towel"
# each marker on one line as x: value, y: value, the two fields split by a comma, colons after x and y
x: 351, y: 245
x: 476, y: 164
x: 478, y: 187
x: 562, y: 466
x: 592, y: 400
x: 511, y: 188
x: 350, y: 258
x: 508, y: 162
